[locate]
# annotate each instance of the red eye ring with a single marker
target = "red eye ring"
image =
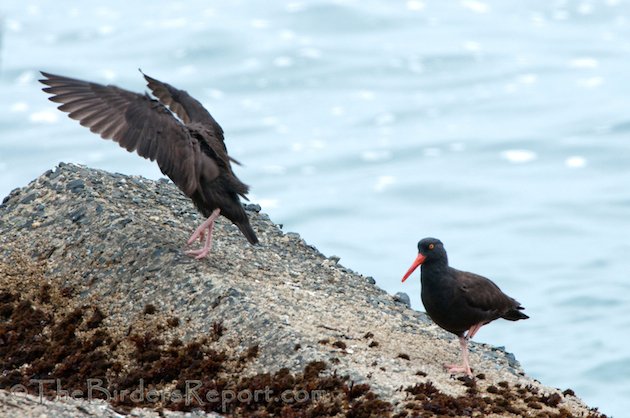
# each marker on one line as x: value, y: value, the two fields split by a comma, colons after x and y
x: 431, y: 246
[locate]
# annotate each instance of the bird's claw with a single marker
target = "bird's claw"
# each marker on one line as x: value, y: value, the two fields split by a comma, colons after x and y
x: 198, y: 254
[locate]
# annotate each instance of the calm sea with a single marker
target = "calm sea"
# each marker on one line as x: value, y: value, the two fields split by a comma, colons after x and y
x: 501, y: 127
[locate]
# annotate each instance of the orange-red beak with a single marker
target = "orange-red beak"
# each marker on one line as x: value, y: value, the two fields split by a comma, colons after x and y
x: 419, y: 260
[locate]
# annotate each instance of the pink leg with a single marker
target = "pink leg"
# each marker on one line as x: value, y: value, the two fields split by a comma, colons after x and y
x: 203, y: 229
x: 465, y: 366
x: 206, y: 225
x: 202, y: 252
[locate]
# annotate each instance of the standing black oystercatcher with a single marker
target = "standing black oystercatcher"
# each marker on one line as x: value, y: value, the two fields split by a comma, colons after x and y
x: 459, y: 301
x: 189, y: 150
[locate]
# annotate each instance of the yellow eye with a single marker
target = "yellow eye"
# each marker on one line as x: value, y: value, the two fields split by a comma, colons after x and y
x: 431, y: 246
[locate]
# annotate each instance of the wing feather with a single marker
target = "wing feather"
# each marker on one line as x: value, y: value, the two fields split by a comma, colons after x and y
x: 483, y: 294
x: 186, y: 107
x: 136, y: 122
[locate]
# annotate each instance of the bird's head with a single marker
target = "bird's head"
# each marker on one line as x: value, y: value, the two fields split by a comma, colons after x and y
x: 429, y: 249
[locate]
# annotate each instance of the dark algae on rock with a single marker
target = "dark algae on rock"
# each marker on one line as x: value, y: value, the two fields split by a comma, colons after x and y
x: 46, y: 343
x: 97, y: 297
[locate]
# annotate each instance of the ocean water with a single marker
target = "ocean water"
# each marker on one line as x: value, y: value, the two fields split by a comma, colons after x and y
x: 500, y: 127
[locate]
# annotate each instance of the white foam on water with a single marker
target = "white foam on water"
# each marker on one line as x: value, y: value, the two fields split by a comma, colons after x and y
x: 25, y: 77
x: 19, y: 107
x: 267, y: 203
x: 106, y: 30
x: 13, y: 25
x: 376, y: 155
x: 415, y: 5
x: 109, y: 74
x: 519, y: 156
x: 584, y: 62
x: 575, y: 161
x: 475, y: 6
x: 383, y: 182
x: 338, y: 111
x: 283, y: 61
x: 366, y: 95
x: 472, y: 46
x: 590, y: 82
x: 259, y: 23
x: 44, y: 116
x: 527, y: 79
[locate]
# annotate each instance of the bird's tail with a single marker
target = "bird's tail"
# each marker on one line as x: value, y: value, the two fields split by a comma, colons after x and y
x: 515, y: 314
x: 248, y: 231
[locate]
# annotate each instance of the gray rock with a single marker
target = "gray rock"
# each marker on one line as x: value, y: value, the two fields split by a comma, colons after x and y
x: 78, y: 214
x: 253, y: 207
x: 53, y: 174
x: 28, y: 198
x: 76, y: 185
x: 402, y: 297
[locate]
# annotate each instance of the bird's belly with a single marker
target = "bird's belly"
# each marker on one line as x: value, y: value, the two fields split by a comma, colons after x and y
x: 447, y: 314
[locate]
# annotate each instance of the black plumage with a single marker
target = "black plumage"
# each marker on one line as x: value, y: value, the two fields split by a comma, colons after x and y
x: 458, y: 301
x: 185, y: 141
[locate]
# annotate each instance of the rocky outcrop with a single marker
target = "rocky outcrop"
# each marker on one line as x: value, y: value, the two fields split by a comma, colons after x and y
x: 98, y: 297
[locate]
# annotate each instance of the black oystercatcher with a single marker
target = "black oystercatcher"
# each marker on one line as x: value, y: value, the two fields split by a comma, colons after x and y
x: 459, y: 301
x: 189, y: 150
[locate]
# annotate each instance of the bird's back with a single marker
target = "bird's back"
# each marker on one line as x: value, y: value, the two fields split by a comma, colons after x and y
x: 457, y: 300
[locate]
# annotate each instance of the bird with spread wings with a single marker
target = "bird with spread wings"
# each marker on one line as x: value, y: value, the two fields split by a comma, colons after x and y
x: 175, y: 130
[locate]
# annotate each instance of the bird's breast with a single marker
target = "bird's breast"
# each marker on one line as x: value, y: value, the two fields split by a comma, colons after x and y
x: 440, y: 304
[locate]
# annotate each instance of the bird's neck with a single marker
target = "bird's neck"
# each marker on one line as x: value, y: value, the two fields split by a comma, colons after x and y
x: 435, y: 271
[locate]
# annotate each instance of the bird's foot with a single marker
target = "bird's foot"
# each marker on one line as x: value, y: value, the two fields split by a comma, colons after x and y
x: 208, y: 224
x: 205, y: 250
x: 204, y: 231
x: 198, y: 254
x: 198, y: 234
x: 207, y: 246
x: 458, y: 368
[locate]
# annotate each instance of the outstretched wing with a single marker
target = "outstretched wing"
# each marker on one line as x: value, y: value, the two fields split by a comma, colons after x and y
x: 138, y: 123
x: 186, y: 107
